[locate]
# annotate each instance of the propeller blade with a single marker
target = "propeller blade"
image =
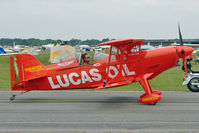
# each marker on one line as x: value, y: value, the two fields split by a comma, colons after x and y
x: 180, y: 35
x: 181, y: 44
x: 185, y: 65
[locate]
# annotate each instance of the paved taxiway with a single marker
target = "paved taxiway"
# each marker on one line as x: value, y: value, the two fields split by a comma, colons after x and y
x: 98, y: 111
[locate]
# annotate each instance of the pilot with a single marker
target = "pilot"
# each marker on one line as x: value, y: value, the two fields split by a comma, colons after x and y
x: 85, y: 58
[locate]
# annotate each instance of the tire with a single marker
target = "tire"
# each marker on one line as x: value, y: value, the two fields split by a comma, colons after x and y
x: 12, y: 98
x: 153, y: 103
x: 193, y: 88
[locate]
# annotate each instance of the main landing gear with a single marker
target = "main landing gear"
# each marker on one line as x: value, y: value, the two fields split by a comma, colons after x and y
x: 151, y: 96
x: 12, y: 98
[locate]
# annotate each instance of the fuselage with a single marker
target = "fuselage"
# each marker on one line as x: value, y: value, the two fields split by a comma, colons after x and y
x: 151, y: 62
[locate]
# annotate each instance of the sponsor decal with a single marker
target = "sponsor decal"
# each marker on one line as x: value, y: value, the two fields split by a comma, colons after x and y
x: 94, y: 75
x: 65, y: 63
x: 33, y: 69
x: 75, y: 79
x: 97, y: 64
x: 16, y: 69
x: 113, y: 71
x: 150, y: 99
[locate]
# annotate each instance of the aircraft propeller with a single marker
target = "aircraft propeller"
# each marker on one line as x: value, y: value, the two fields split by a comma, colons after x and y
x: 183, y: 51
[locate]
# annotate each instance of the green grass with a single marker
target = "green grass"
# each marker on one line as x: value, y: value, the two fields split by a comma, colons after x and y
x: 170, y: 80
x: 43, y: 58
x: 4, y: 73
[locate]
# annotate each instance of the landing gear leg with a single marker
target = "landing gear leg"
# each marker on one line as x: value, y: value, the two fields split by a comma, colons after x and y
x: 150, y: 97
x: 12, y: 98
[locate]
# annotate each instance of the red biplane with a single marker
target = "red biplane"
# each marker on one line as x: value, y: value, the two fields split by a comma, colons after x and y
x: 130, y: 64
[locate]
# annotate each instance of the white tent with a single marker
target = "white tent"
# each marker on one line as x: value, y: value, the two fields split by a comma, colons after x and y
x: 33, y: 51
x: 61, y: 53
x: 30, y: 50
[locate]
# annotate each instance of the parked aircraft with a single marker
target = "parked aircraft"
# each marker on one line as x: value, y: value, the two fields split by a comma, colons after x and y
x: 4, y: 52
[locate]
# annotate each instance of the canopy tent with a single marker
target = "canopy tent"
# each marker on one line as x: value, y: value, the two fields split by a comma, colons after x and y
x: 61, y: 53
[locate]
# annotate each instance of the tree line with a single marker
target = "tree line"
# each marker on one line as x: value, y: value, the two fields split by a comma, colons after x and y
x: 39, y: 42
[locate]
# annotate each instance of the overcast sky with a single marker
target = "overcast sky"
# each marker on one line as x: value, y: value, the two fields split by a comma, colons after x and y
x: 98, y: 19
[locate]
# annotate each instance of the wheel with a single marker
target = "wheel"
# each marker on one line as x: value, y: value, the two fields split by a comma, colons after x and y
x: 12, y: 98
x: 153, y: 103
x: 193, y: 88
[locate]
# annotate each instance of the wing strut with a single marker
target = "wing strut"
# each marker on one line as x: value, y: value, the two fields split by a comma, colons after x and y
x: 121, y: 73
x: 108, y: 68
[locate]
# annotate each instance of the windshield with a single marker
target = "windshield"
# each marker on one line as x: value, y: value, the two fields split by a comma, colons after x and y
x: 64, y: 53
x: 95, y: 53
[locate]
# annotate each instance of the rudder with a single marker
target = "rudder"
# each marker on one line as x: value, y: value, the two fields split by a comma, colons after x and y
x: 22, y: 68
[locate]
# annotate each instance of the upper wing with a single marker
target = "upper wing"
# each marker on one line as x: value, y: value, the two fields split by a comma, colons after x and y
x: 122, y: 42
x: 124, y: 46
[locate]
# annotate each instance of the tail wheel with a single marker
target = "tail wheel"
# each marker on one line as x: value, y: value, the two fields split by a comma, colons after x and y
x: 192, y: 85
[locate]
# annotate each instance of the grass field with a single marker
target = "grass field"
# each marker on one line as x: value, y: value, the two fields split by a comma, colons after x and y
x: 170, y: 80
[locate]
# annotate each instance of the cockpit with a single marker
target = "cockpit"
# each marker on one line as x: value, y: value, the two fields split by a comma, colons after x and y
x: 69, y: 56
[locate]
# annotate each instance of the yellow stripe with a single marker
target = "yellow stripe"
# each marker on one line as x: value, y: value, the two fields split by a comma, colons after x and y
x: 26, y: 49
x: 54, y: 54
x: 56, y: 46
x: 68, y: 46
x: 67, y: 51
